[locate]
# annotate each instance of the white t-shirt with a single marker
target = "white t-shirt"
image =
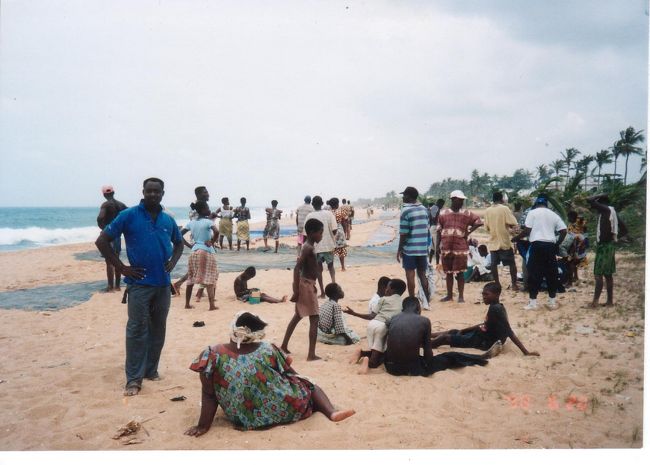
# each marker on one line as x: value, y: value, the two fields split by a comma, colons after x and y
x: 543, y: 223
x: 374, y: 303
x: 329, y: 224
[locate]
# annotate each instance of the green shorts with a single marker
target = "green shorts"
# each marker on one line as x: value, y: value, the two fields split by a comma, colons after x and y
x: 325, y: 257
x: 605, y: 263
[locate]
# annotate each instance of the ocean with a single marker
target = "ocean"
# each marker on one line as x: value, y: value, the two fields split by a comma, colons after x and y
x: 33, y: 227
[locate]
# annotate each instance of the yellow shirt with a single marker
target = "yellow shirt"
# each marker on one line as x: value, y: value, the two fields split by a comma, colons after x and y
x: 497, y: 219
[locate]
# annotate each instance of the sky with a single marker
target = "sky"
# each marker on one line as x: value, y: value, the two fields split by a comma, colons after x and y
x: 276, y: 100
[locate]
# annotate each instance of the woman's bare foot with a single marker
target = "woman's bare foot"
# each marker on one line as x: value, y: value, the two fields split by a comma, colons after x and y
x: 214, y: 307
x: 446, y: 299
x: 355, y: 356
x: 363, y: 369
x: 189, y: 307
x: 285, y: 350
x: 461, y: 300
x: 340, y: 415
x: 198, y: 299
x: 313, y: 358
x: 284, y: 298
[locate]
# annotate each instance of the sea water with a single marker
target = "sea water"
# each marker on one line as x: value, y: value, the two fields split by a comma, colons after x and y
x: 32, y: 227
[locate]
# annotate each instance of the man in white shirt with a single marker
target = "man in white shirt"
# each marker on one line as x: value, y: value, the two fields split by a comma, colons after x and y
x: 541, y: 227
x: 325, y: 248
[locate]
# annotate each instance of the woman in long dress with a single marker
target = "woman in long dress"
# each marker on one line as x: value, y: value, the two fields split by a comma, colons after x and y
x: 341, y: 244
x: 253, y: 382
x: 226, y: 213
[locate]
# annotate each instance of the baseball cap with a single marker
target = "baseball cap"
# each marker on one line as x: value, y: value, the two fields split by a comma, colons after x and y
x: 107, y: 190
x: 457, y: 194
x: 411, y: 192
x: 541, y: 199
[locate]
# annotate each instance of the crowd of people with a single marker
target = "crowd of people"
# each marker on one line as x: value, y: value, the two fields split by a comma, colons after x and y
x: 252, y: 380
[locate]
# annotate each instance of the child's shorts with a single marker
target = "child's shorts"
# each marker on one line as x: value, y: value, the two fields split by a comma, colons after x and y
x: 476, y: 339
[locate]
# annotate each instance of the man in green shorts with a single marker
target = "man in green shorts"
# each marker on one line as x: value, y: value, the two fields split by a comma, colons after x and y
x: 608, y: 230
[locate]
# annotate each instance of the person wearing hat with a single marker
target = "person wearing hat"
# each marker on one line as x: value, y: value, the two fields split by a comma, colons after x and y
x: 301, y: 213
x: 413, y: 247
x: 541, y: 227
x: 108, y: 211
x: 455, y: 224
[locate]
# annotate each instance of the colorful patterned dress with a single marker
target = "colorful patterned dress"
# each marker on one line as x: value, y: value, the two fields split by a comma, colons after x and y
x: 255, y: 390
x: 341, y: 248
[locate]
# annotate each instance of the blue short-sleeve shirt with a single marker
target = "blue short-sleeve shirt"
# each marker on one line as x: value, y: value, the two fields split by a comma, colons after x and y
x: 148, y: 244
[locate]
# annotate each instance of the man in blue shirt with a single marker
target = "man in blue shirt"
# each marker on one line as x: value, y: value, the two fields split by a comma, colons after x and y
x: 153, y: 246
x: 414, y: 236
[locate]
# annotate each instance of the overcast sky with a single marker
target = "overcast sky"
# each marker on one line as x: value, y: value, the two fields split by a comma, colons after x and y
x: 281, y: 99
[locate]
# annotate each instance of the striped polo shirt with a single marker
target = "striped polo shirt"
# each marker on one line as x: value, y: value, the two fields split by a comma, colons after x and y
x: 414, y: 223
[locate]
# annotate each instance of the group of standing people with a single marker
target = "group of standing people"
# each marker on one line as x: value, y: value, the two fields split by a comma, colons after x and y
x: 266, y: 390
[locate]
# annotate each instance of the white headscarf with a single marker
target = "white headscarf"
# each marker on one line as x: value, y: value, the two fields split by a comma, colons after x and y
x: 243, y: 334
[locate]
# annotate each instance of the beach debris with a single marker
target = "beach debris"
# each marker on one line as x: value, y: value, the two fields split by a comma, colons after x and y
x: 198, y: 324
x: 79, y: 436
x: 129, y: 429
x: 128, y: 442
x: 3, y: 381
x: 630, y: 334
x: 580, y: 329
x: 178, y: 398
x: 45, y: 313
x: 57, y: 365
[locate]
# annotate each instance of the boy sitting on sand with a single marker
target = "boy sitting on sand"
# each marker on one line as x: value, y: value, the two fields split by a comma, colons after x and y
x: 493, y: 331
x: 389, y: 306
x: 305, y: 294
x: 331, y: 324
x: 381, y: 291
x: 243, y: 293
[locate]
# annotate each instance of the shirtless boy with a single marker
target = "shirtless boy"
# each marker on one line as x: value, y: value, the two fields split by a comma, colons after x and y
x: 305, y: 294
x: 243, y: 293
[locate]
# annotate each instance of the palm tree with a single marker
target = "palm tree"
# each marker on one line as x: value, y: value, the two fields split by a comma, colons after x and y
x: 616, y: 152
x: 627, y: 145
x: 542, y: 174
x: 557, y: 166
x: 568, y: 156
x: 604, y: 157
x: 582, y: 166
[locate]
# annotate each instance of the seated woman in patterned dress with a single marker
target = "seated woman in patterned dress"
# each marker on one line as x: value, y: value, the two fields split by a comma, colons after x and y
x: 254, y: 384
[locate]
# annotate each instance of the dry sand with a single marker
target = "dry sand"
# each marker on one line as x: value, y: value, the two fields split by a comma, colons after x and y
x: 62, y: 371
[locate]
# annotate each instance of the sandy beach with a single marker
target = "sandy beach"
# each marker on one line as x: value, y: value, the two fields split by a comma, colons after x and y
x: 62, y: 374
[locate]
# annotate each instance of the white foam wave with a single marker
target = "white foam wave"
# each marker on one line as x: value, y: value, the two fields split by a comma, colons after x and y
x: 42, y: 236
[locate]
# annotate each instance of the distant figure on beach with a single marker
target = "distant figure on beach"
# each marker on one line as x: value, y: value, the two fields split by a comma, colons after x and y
x: 108, y: 211
x: 153, y: 246
x: 305, y: 294
x: 202, y: 264
x: 434, y: 212
x: 382, y: 283
x: 499, y: 221
x: 243, y: 293
x: 331, y: 322
x: 489, y: 335
x: 388, y: 306
x: 325, y: 247
x: 226, y: 213
x: 413, y: 246
x: 253, y: 382
x: 409, y: 334
x: 578, y: 227
x: 455, y: 224
x: 351, y: 219
x: 478, y: 263
x: 343, y: 217
x: 340, y: 243
x: 608, y: 230
x: 272, y: 228
x: 201, y: 193
x: 541, y: 227
x: 243, y: 215
x: 301, y: 215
